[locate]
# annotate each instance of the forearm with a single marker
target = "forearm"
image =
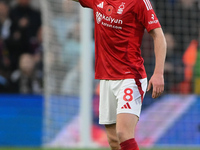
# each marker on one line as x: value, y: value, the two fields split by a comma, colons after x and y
x: 160, y: 47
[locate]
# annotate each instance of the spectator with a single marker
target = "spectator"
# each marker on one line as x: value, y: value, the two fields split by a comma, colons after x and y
x: 4, y: 33
x: 4, y: 82
x: 72, y: 48
x: 174, y: 73
x: 71, y: 82
x: 25, y: 23
x: 37, y: 49
x: 26, y: 80
x: 4, y: 59
x: 6, y: 1
x: 63, y: 23
x: 4, y: 21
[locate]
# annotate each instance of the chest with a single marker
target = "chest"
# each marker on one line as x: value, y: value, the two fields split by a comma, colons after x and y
x: 113, y: 12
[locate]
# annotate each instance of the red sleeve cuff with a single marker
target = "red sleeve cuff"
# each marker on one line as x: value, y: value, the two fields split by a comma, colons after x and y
x: 153, y: 26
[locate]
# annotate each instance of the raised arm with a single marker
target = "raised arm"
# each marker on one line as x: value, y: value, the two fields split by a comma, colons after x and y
x: 85, y: 3
x: 160, y: 46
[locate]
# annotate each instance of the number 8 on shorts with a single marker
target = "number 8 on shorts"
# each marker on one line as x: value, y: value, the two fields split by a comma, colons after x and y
x: 128, y: 94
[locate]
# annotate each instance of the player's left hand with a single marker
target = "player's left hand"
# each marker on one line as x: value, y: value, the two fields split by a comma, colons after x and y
x: 157, y: 82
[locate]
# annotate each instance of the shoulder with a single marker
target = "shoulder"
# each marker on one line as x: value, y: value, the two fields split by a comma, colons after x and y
x: 146, y: 3
x: 143, y: 5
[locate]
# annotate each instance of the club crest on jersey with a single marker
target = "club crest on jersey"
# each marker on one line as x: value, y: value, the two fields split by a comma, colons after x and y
x: 121, y: 8
x: 109, y: 10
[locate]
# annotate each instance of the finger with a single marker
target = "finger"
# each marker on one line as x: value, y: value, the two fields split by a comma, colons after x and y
x: 156, y: 95
x: 149, y: 86
x: 162, y: 89
x: 156, y: 92
x: 159, y: 91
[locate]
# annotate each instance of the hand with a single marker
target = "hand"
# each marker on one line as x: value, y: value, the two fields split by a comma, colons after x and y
x: 157, y: 81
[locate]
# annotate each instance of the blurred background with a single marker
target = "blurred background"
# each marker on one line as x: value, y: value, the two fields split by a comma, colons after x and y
x: 41, y: 69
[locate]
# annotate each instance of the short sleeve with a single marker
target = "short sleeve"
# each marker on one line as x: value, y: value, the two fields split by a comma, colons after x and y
x: 87, y: 3
x: 146, y: 14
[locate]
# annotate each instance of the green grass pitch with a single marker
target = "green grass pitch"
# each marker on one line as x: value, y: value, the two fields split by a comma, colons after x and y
x: 95, y: 149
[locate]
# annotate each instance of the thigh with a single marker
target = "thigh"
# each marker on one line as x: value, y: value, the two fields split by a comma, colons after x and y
x: 107, y: 104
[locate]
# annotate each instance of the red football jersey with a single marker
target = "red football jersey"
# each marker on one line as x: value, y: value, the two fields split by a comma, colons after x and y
x: 119, y: 28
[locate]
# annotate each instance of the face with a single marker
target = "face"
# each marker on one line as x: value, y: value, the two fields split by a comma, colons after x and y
x: 24, y: 2
x: 27, y: 63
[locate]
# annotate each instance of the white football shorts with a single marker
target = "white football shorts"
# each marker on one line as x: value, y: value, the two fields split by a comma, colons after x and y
x: 120, y: 96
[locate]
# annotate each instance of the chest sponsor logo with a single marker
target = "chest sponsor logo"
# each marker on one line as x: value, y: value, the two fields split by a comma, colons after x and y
x: 100, y: 5
x: 121, y: 8
x: 100, y: 17
x: 111, y: 22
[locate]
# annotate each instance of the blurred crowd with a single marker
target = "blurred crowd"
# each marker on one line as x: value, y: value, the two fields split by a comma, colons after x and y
x: 21, y: 51
x: 20, y: 48
x: 180, y: 21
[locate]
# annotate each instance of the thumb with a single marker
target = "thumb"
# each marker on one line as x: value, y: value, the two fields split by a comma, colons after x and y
x: 149, y: 86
